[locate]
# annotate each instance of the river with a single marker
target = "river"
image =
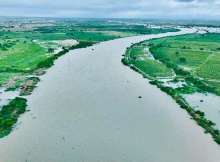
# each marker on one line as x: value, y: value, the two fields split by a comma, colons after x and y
x: 87, y: 109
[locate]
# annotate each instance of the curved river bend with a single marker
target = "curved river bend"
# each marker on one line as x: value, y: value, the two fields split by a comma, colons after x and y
x: 86, y: 109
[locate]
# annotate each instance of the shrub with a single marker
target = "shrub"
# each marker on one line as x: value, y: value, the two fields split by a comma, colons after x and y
x: 10, y: 114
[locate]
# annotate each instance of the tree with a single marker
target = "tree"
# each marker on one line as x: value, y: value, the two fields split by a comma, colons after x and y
x: 50, y: 50
x: 182, y: 59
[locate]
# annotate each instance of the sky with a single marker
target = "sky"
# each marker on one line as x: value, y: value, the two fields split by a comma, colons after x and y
x: 174, y: 9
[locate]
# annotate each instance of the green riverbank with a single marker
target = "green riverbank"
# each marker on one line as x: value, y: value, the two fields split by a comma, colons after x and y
x: 10, y: 113
x: 180, y: 65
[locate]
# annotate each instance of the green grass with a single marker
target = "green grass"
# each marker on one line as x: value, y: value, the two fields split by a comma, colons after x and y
x: 22, y: 52
x: 137, y: 51
x: 31, y: 35
x: 5, y: 77
x: 153, y: 68
x: 214, y: 84
x: 137, y: 56
x: 92, y: 36
x: 195, y: 53
x: 19, y: 54
x: 181, y: 57
x: 22, y: 57
x: 210, y: 69
x: 10, y: 114
x: 54, y: 35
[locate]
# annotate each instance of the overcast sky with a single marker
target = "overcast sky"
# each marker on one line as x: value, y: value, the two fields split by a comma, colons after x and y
x: 206, y: 9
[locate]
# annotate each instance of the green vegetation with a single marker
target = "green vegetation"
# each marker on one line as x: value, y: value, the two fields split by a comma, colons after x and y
x: 137, y: 56
x: 19, y: 60
x: 26, y: 52
x: 193, y: 59
x: 9, y: 115
x: 23, y: 57
x: 50, y: 60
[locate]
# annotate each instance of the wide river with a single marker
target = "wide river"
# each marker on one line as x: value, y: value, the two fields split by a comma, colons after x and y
x: 87, y: 109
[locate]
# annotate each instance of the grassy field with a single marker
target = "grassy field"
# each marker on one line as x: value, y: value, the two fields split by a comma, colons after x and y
x: 19, y: 57
x: 21, y: 52
x: 137, y: 56
x: 23, y: 56
x: 197, y: 54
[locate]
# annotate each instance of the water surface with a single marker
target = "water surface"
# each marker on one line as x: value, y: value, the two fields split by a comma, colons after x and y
x: 87, y: 109
x: 207, y: 103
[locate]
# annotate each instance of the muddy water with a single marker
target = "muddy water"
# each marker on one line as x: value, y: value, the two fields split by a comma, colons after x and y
x: 87, y: 108
x: 209, y: 104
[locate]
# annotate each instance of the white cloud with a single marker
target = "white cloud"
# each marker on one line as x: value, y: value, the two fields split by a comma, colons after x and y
x: 112, y: 8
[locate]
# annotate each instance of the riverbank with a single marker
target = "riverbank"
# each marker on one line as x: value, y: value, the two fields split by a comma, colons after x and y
x: 28, y: 54
x: 10, y: 112
x: 168, y: 59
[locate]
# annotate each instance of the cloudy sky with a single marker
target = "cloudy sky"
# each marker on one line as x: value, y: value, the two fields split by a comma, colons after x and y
x: 205, y: 9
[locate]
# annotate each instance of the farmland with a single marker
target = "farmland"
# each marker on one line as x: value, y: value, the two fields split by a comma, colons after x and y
x: 21, y: 50
x: 196, y: 54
